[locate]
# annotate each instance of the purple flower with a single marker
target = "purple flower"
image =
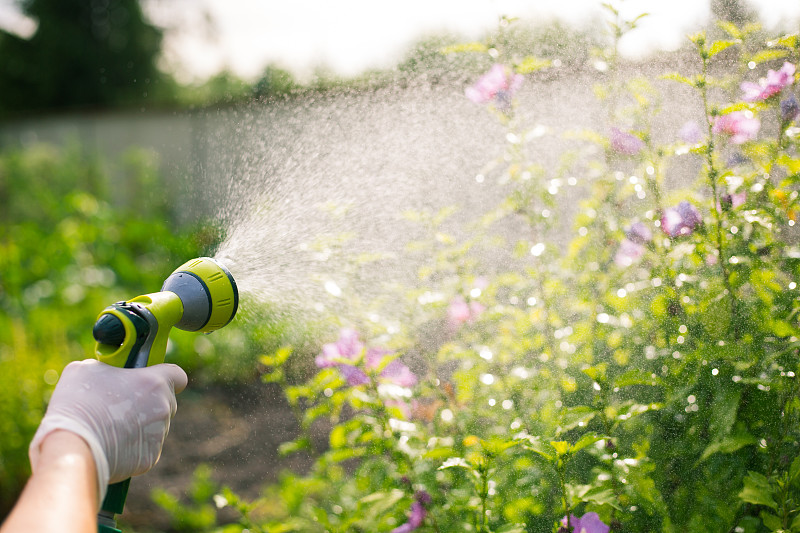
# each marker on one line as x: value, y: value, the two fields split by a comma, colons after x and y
x: 588, y: 523
x: 790, y: 109
x: 680, y: 220
x: 354, y: 375
x: 625, y: 143
x: 417, y: 514
x: 639, y: 233
x: 499, y: 84
x: 346, y: 353
x: 690, y: 133
x: 773, y: 84
x: 739, y: 125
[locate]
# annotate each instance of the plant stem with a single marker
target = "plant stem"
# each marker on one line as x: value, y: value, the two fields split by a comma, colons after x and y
x: 713, y: 174
x: 562, y: 480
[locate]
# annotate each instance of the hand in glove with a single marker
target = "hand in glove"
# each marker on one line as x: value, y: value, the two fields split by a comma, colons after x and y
x: 123, y: 415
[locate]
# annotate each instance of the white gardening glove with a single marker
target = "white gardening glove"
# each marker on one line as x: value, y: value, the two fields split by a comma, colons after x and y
x: 122, y: 413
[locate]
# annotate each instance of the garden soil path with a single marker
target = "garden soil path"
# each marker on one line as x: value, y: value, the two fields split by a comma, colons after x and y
x: 235, y: 431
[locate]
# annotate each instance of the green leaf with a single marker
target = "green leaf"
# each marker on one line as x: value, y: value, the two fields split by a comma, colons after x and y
x: 795, y: 523
x: 601, y: 496
x: 338, y: 437
x: 438, y: 453
x: 294, y: 446
x: 578, y: 416
x: 771, y: 521
x: 495, y: 446
x: 536, y: 445
x: 597, y: 372
x: 739, y: 106
x: 343, y: 454
x: 379, y: 503
x: 781, y: 328
x: 511, y: 528
x: 464, y: 47
x: 674, y: 76
x: 636, y: 376
x: 729, y: 444
x: 757, y: 490
x: 724, y: 410
x: 531, y: 64
x: 585, y: 440
x: 789, y: 41
x: 790, y: 163
x: 768, y: 55
x: 794, y: 472
x: 730, y: 28
x: 596, y: 494
x: 719, y: 46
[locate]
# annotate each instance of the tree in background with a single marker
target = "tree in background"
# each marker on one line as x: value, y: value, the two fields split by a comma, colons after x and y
x: 85, y: 53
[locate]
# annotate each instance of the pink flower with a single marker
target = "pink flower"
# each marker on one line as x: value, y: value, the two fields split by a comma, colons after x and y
x: 417, y: 514
x: 460, y: 311
x: 632, y: 246
x: 588, y: 523
x: 731, y: 200
x: 625, y: 143
x: 499, y: 84
x: 398, y: 374
x: 738, y: 125
x: 773, y: 84
x: 346, y: 353
x: 690, y: 133
x: 347, y: 347
x: 680, y: 220
x: 628, y: 253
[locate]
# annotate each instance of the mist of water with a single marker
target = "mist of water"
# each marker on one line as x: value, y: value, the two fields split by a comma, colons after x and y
x: 311, y: 193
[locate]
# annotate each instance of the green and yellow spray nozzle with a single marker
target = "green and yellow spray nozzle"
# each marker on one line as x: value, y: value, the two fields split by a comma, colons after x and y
x: 200, y: 295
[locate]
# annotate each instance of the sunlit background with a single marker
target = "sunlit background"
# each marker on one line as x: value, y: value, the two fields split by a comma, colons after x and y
x: 204, y: 37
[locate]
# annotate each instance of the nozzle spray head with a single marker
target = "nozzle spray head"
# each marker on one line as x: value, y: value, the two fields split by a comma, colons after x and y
x: 208, y: 293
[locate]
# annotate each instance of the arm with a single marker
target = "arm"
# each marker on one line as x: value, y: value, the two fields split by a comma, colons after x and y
x: 61, y: 494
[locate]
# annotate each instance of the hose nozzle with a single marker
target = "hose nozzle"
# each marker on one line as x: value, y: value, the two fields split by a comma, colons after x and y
x: 200, y: 295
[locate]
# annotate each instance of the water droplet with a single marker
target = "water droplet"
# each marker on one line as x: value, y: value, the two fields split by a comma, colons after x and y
x: 537, y: 249
x: 333, y: 288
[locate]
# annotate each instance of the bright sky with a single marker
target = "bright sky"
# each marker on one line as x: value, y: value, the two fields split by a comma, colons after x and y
x: 351, y: 35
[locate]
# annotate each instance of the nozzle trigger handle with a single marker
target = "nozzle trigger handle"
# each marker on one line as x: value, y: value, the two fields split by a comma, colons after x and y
x: 121, y: 325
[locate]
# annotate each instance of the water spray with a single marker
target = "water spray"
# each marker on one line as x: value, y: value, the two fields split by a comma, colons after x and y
x: 200, y: 295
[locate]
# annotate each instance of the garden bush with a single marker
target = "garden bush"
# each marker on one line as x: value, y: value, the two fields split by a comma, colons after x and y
x: 641, y: 377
